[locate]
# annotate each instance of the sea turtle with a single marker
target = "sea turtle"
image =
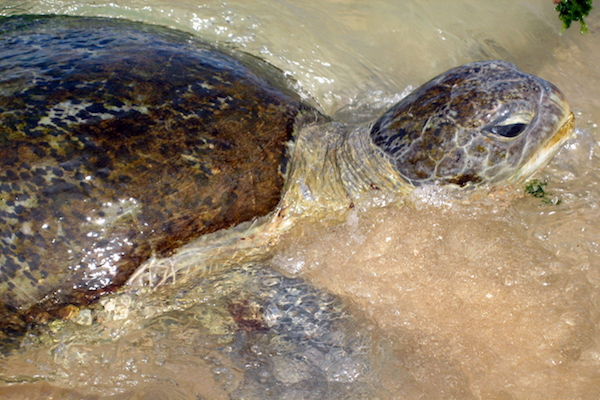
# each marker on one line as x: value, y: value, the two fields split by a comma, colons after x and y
x: 131, y: 152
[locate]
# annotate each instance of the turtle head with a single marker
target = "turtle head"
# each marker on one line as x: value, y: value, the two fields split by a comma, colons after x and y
x: 484, y: 122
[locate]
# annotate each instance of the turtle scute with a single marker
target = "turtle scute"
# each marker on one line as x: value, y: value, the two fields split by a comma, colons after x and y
x: 120, y: 141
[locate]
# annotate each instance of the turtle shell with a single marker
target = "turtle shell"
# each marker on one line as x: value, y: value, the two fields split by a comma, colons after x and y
x: 120, y: 141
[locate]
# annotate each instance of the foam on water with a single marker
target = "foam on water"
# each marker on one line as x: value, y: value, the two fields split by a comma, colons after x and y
x: 473, y: 285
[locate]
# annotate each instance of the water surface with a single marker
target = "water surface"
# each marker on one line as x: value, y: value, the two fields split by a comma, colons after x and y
x: 492, y: 297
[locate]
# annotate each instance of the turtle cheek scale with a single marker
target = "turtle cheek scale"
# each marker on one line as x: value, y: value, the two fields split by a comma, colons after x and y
x: 478, y: 124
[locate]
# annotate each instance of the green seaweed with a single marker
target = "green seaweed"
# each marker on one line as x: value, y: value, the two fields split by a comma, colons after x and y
x: 574, y: 10
x: 537, y: 189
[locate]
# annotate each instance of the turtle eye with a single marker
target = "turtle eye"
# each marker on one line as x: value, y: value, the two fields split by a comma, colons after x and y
x: 510, y: 122
x: 508, y: 131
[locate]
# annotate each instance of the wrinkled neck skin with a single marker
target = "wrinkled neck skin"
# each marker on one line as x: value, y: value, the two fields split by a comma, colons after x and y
x: 333, y: 166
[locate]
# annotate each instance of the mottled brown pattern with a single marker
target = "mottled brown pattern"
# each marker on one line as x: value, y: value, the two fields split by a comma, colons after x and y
x: 167, y: 139
x: 450, y: 129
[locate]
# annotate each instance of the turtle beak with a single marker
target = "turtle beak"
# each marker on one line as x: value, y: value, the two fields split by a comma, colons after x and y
x: 564, y: 133
x: 547, y: 151
x: 561, y: 120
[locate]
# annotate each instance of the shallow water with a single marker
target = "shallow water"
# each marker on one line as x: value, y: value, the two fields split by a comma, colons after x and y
x: 489, y: 297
